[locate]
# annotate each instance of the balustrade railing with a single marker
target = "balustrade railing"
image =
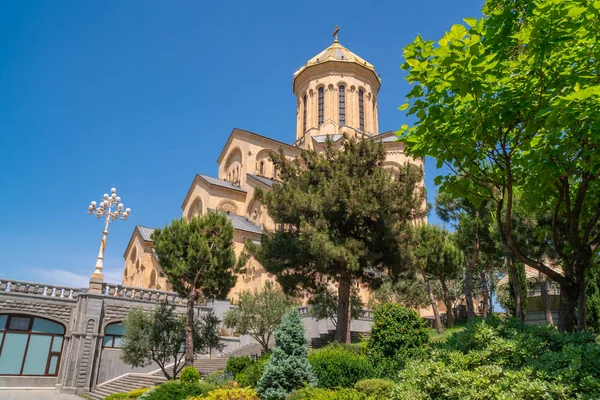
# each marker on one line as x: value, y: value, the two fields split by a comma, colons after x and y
x: 40, y: 289
x: 135, y: 293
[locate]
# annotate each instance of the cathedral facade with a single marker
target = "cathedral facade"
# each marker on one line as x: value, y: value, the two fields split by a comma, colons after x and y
x: 336, y: 93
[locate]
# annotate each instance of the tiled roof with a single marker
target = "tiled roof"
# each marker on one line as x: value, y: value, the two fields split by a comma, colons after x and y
x: 386, y: 138
x: 221, y: 183
x: 242, y: 223
x: 266, y: 181
x: 323, y: 138
x: 146, y: 232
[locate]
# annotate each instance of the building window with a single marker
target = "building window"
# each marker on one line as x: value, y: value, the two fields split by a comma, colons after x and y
x: 274, y: 171
x: 321, y: 105
x: 262, y: 168
x: 342, y: 104
x: 30, y: 345
x: 304, y: 114
x: 113, y: 335
x: 361, y: 110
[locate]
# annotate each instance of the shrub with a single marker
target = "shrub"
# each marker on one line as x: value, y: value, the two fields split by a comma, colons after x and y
x: 189, y: 375
x: 251, y: 375
x: 117, y: 396
x: 328, y: 394
x: 218, y: 379
x: 377, y: 388
x: 397, y: 334
x: 135, y: 393
x: 339, y: 366
x: 178, y: 390
x: 288, y: 368
x: 231, y: 394
x: 235, y: 365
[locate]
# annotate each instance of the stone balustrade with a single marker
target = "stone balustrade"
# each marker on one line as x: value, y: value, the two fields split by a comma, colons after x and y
x: 40, y: 289
x: 135, y: 293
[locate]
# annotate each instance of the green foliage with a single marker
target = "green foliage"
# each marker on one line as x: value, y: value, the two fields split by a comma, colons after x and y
x: 135, y: 393
x: 259, y: 313
x: 341, y: 216
x: 338, y: 366
x: 592, y: 289
x: 178, y: 390
x: 218, y: 379
x: 117, y: 396
x: 235, y: 365
x: 324, y: 305
x: 229, y: 394
x: 328, y: 394
x: 288, y: 368
x: 408, y: 290
x: 496, y: 359
x: 251, y: 375
x: 510, y: 102
x: 156, y: 336
x: 189, y: 375
x: 376, y: 388
x: 396, y: 334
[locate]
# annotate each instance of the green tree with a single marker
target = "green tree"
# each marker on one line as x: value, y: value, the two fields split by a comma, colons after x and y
x: 340, y: 215
x: 324, y: 304
x: 198, y: 259
x: 510, y: 102
x: 259, y: 313
x: 409, y: 291
x: 207, y: 333
x: 449, y: 271
x: 288, y: 368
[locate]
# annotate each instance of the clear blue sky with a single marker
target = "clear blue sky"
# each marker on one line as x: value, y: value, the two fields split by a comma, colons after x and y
x: 142, y: 95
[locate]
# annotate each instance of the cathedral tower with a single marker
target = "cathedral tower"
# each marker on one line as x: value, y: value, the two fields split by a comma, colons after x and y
x: 336, y: 93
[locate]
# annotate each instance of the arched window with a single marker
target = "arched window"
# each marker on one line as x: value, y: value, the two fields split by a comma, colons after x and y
x: 113, y: 335
x: 342, y: 104
x: 304, y: 114
x: 361, y: 110
x: 30, y: 345
x: 262, y: 168
x: 321, y: 105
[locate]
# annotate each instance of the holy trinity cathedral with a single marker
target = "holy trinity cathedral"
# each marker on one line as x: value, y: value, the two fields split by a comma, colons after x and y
x: 336, y: 93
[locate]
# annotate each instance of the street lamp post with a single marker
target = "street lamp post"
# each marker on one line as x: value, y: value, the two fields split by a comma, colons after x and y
x: 111, y: 209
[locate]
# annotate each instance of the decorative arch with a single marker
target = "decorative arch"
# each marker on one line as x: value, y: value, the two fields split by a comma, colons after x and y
x: 233, y: 165
x: 227, y: 206
x: 264, y: 157
x: 196, y: 208
x: 133, y: 255
x: 152, y: 282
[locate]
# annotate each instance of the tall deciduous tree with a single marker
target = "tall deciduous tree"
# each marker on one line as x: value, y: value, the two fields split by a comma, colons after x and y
x: 339, y: 215
x: 198, y: 259
x: 511, y: 103
x: 259, y: 313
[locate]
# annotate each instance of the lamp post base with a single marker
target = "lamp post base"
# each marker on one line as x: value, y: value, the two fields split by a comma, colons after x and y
x: 96, y: 282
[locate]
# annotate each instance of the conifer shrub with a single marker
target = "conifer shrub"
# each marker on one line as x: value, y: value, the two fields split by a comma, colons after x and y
x: 377, y: 388
x: 337, y: 366
x: 229, y: 394
x: 117, y: 396
x: 189, y: 375
x: 398, y: 333
x: 329, y: 394
x: 235, y: 365
x: 288, y: 367
x: 135, y: 393
x: 178, y: 390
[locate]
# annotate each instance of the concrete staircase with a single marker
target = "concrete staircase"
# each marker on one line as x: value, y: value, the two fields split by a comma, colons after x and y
x: 129, y: 382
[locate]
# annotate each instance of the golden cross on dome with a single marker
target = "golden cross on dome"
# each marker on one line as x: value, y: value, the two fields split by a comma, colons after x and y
x: 335, y: 33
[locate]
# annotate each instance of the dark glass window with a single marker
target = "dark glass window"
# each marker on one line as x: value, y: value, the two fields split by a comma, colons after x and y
x: 274, y: 172
x: 113, y: 335
x: 304, y: 114
x: 30, y: 345
x: 262, y: 168
x: 342, y: 104
x: 361, y: 110
x: 321, y: 105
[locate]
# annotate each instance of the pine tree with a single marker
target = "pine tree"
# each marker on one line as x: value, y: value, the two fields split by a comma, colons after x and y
x: 288, y: 368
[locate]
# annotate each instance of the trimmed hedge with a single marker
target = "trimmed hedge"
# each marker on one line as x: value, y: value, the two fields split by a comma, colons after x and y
x: 328, y: 394
x: 339, y: 366
x: 378, y: 388
x: 189, y: 375
x: 178, y: 390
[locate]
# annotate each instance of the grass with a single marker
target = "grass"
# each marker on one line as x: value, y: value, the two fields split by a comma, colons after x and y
x: 436, y: 337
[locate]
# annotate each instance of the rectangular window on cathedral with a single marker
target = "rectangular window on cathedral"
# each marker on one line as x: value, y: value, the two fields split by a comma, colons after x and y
x: 361, y: 110
x: 321, y: 105
x: 342, y: 104
x: 304, y: 115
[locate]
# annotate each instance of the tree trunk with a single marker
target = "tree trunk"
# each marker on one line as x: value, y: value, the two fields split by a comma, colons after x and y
x: 566, y: 313
x: 448, y: 303
x: 581, y: 301
x: 516, y: 283
x: 436, y: 312
x: 486, y: 294
x: 344, y: 310
x: 469, y: 279
x: 189, y: 334
x: 545, y: 288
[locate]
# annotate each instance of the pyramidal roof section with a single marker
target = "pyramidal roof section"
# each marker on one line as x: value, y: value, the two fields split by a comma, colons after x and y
x: 336, y: 52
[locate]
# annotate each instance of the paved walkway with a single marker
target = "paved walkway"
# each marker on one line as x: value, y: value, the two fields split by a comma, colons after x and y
x: 36, y: 395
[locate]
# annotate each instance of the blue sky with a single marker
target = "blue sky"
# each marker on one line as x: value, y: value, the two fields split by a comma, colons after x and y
x: 142, y: 95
